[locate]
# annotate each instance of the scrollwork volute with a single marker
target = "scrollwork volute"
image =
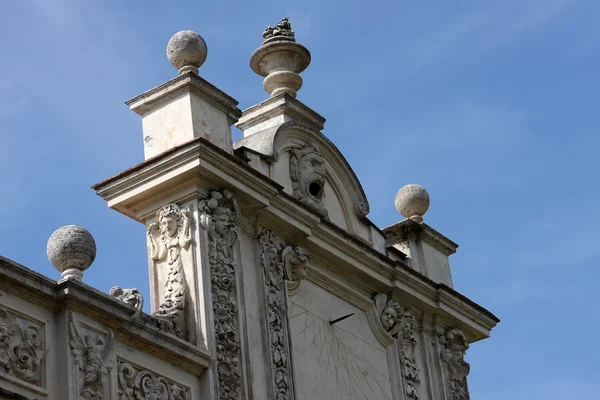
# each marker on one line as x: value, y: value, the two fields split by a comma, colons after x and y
x: 399, y: 322
x: 219, y: 213
x: 308, y: 175
x: 455, y: 346
x: 280, y: 263
x: 91, y: 352
x: 166, y: 239
x: 21, y: 348
x: 138, y: 384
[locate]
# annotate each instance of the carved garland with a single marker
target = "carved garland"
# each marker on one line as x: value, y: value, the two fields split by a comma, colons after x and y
x: 455, y: 346
x: 166, y: 239
x: 91, y: 353
x: 279, y: 263
x: 399, y: 322
x: 135, y: 384
x: 21, y: 348
x: 219, y: 213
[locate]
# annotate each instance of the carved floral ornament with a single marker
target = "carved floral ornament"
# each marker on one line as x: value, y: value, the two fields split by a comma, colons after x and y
x: 91, y: 352
x: 139, y: 384
x: 308, y: 176
x: 21, y: 348
x: 218, y: 216
x: 399, y: 323
x: 280, y: 263
x: 455, y: 346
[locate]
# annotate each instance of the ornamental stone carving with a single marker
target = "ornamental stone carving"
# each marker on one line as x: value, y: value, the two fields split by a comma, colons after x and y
x: 91, y: 353
x: 279, y: 263
x: 399, y: 322
x: 219, y: 213
x: 283, y: 30
x: 165, y: 241
x: 131, y: 297
x: 21, y: 348
x: 308, y: 174
x: 137, y: 384
x: 455, y: 346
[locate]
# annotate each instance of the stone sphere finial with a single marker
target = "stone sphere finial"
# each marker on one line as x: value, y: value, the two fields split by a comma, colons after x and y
x: 71, y: 250
x: 187, y: 51
x: 412, y: 201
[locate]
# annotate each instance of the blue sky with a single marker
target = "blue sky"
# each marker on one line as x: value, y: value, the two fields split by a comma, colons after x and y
x: 492, y: 106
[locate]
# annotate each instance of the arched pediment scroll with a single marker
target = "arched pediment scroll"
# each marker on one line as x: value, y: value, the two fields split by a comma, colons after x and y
x: 292, y: 148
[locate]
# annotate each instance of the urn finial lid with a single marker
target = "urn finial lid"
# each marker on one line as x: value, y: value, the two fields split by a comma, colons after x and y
x: 71, y: 250
x: 187, y: 51
x: 412, y: 201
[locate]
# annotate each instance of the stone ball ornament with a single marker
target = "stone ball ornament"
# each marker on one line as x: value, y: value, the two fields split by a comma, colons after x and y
x: 412, y: 201
x: 187, y: 51
x: 71, y: 250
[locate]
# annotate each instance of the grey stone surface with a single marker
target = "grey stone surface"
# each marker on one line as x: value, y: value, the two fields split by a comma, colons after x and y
x: 412, y: 201
x: 71, y: 249
x: 187, y: 51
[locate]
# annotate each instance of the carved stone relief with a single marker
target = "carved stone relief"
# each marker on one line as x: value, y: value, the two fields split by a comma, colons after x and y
x: 91, y: 352
x: 165, y: 240
x: 219, y: 213
x: 280, y: 263
x: 455, y: 346
x: 399, y: 322
x: 138, y: 384
x: 308, y: 173
x: 21, y: 348
x: 282, y: 29
x: 131, y: 297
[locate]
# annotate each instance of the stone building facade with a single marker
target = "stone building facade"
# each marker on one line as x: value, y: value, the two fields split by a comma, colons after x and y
x: 268, y: 281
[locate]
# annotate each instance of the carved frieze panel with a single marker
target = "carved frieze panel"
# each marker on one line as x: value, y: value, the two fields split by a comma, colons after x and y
x: 219, y: 213
x: 280, y: 263
x: 308, y: 176
x: 399, y: 323
x: 166, y: 239
x: 454, y: 346
x: 135, y: 383
x: 91, y: 351
x: 22, y: 348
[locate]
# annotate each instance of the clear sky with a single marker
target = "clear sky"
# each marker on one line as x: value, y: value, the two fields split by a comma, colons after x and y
x: 488, y: 104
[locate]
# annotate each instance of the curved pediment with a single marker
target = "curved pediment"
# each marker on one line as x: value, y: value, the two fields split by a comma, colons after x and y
x: 312, y: 169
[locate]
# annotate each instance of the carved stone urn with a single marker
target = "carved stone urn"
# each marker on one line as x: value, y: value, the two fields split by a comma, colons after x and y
x: 280, y: 60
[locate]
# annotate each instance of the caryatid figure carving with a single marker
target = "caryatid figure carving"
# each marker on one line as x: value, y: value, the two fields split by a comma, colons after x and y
x: 166, y: 239
x: 399, y: 323
x: 455, y: 346
x: 308, y: 174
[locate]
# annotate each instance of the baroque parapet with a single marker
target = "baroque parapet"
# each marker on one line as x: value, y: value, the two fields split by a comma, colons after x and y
x: 454, y: 346
x: 21, y: 348
x: 166, y: 240
x: 398, y: 322
x: 280, y: 263
x: 91, y: 352
x: 219, y: 214
x: 140, y: 384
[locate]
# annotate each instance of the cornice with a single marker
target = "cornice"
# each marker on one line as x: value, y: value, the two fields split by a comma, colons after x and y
x: 402, y: 230
x: 77, y: 296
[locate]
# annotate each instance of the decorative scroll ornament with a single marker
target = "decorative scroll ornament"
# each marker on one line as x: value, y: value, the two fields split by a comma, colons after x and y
x: 166, y: 239
x: 219, y: 213
x: 400, y: 323
x: 137, y: 384
x: 91, y: 353
x: 455, y: 346
x: 283, y: 29
x: 307, y: 172
x: 131, y: 297
x: 279, y: 263
x: 21, y: 348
